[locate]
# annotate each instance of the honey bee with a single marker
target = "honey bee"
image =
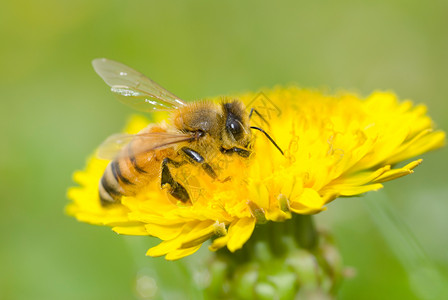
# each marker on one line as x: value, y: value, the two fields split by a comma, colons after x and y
x: 198, y: 131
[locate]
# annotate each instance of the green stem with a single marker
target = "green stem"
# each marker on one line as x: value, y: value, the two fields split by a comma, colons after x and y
x: 283, y: 260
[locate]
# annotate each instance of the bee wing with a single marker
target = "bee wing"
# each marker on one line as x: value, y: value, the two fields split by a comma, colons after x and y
x: 114, y: 145
x: 135, y: 89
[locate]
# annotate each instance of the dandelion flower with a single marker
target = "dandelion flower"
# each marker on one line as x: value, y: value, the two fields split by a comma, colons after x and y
x: 334, y: 146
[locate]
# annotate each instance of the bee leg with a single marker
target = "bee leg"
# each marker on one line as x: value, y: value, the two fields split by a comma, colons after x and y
x: 176, y: 189
x: 195, y: 157
x: 240, y: 151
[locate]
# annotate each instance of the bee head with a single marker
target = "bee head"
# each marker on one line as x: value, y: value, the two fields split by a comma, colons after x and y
x: 236, y: 123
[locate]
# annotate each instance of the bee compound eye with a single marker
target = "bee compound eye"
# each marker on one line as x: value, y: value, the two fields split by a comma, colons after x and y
x: 235, y: 128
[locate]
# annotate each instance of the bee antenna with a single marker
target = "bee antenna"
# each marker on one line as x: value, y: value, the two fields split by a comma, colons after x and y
x: 267, y: 135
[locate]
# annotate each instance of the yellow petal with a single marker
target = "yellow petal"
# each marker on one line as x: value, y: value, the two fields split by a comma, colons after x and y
x: 310, y: 202
x: 192, y: 234
x: 164, y: 247
x: 219, y: 243
x: 130, y: 230
x: 397, y: 173
x: 431, y: 141
x: 165, y: 232
x: 177, y: 254
x: 360, y: 178
x: 200, y: 234
x: 358, y: 190
x: 239, y: 233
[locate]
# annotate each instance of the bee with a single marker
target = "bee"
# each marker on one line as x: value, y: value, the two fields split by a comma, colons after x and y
x: 198, y: 131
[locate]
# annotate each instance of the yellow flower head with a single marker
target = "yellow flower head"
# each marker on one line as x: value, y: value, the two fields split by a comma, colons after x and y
x: 334, y: 145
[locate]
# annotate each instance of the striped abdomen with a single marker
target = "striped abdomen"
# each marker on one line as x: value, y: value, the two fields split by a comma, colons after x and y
x: 127, y: 175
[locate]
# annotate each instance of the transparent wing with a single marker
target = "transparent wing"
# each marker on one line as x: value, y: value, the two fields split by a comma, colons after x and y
x: 133, y: 88
x: 114, y: 146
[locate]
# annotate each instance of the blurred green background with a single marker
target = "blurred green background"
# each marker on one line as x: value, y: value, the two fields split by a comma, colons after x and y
x: 55, y: 110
